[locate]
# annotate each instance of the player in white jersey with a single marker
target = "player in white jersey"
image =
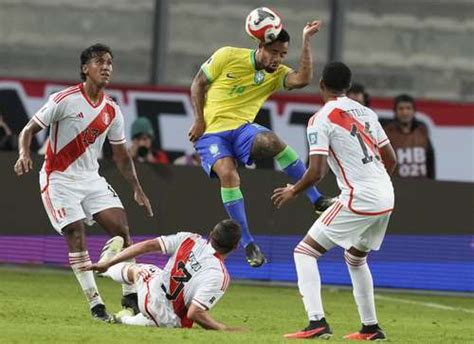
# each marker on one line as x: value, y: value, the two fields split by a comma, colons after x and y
x: 80, y: 118
x: 192, y: 282
x: 347, y: 136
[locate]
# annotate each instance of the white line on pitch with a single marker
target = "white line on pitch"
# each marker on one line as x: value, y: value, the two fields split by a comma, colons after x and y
x: 426, y: 304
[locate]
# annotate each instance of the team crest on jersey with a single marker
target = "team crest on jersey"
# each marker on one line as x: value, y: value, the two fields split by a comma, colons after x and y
x: 259, y: 77
x: 106, y: 118
x: 313, y: 138
x: 214, y: 149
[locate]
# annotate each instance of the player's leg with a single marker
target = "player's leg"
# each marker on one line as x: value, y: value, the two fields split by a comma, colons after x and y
x: 75, y: 237
x: 306, y: 255
x: 62, y: 204
x: 267, y: 144
x: 114, y: 222
x: 363, y: 291
x: 102, y: 205
x: 234, y: 204
x: 218, y: 160
x: 361, y: 277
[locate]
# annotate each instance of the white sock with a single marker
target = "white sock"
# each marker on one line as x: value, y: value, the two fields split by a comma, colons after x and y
x: 363, y: 287
x: 85, y: 278
x: 119, y: 273
x: 309, y: 281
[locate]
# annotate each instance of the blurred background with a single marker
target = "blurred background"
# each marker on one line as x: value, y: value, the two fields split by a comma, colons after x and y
x: 421, y: 48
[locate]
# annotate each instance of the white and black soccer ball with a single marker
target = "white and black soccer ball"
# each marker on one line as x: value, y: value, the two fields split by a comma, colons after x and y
x: 263, y: 24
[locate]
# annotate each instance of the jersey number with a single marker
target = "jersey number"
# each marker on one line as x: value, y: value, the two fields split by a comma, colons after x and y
x: 181, y: 279
x: 355, y: 132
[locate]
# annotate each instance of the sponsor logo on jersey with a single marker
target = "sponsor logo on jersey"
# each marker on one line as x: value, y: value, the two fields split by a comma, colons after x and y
x: 80, y: 115
x: 231, y: 76
x: 212, y: 300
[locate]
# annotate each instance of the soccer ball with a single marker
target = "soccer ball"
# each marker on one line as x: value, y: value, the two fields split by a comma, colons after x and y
x: 263, y: 24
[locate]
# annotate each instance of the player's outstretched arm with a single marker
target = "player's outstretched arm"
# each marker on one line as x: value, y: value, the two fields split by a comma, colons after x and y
x: 389, y: 158
x: 204, y: 319
x: 198, y: 94
x: 130, y: 252
x: 318, y: 168
x: 125, y: 164
x: 303, y: 76
x: 24, y: 163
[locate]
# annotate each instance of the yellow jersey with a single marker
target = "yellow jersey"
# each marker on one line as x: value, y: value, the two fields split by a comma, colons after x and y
x: 237, y: 89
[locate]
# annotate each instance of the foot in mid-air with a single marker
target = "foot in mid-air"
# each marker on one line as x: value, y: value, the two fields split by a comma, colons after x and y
x: 322, y: 204
x: 316, y: 329
x: 100, y: 313
x: 254, y: 255
x: 368, y: 332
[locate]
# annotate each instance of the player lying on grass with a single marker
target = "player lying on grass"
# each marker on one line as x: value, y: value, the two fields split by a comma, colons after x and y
x: 192, y: 282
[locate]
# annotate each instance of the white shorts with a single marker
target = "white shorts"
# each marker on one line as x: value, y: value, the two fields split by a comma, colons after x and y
x: 152, y: 300
x: 70, y: 201
x: 340, y: 226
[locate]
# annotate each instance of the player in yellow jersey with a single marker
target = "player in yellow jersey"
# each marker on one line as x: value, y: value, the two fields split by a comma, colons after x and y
x: 227, y: 93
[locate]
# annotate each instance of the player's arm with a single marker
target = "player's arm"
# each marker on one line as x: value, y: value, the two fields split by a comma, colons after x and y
x: 198, y: 94
x: 125, y: 164
x: 389, y: 158
x: 303, y: 76
x: 130, y: 252
x: 24, y: 163
x: 318, y: 168
x: 204, y: 319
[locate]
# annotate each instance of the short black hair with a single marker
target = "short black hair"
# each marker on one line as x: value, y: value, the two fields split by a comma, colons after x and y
x: 89, y: 53
x: 225, y: 236
x: 337, y: 76
x: 283, y: 37
x: 401, y: 98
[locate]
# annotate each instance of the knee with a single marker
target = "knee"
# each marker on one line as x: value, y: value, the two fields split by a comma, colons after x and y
x: 267, y: 145
x: 353, y: 261
x: 229, y: 178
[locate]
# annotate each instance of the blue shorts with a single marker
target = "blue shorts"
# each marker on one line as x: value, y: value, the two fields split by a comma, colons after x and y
x: 235, y: 143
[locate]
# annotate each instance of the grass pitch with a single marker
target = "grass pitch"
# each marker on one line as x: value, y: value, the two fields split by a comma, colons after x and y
x: 47, y: 306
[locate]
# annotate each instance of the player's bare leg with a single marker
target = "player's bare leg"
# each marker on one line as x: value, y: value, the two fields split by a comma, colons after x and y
x: 226, y: 170
x: 114, y: 222
x: 363, y: 290
x: 75, y: 237
x: 306, y: 254
x: 269, y: 145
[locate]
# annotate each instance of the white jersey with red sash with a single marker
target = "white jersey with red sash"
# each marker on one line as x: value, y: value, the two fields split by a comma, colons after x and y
x: 195, y: 274
x: 78, y: 129
x: 351, y: 135
x: 71, y: 187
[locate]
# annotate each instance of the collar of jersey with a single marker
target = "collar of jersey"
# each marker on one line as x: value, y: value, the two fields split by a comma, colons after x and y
x: 252, y: 58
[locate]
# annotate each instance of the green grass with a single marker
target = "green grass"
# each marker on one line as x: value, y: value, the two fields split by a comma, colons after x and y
x: 46, y: 306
